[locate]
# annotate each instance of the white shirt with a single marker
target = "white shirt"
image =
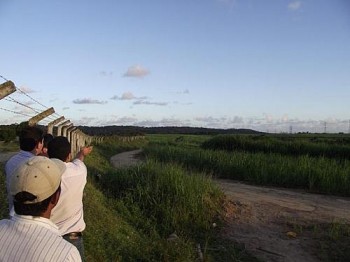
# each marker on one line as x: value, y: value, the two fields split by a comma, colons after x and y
x: 33, y: 239
x: 10, y: 166
x: 68, y: 213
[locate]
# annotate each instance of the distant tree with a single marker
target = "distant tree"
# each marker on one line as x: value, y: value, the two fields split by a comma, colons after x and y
x: 7, y: 133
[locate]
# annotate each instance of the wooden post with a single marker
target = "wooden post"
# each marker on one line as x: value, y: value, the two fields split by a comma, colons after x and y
x: 6, y: 89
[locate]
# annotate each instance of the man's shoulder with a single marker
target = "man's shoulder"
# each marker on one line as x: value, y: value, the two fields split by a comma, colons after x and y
x: 5, y: 222
x: 17, y: 159
x: 74, y: 168
x: 76, y: 163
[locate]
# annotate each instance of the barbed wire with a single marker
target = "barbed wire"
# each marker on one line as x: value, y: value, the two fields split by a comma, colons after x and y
x: 15, y: 112
x: 11, y: 99
x: 15, y: 101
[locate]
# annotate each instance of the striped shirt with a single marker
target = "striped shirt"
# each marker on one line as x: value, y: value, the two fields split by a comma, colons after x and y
x: 27, y: 238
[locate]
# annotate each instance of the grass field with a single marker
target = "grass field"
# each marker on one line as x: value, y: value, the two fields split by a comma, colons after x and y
x: 263, y: 160
x: 165, y: 209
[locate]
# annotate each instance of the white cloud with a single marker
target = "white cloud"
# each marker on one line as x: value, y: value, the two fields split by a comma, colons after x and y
x: 276, y: 125
x: 186, y: 92
x: 89, y: 101
x: 295, y: 5
x: 136, y: 71
x: 144, y: 102
x: 27, y: 90
x: 237, y: 120
x: 163, y: 122
x: 127, y: 96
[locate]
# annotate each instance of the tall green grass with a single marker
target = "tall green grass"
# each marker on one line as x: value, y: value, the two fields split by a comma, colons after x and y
x: 330, y: 147
x: 315, y: 174
x: 131, y: 212
x: 173, y: 199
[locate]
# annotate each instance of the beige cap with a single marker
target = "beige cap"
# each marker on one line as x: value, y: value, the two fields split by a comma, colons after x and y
x: 39, y: 176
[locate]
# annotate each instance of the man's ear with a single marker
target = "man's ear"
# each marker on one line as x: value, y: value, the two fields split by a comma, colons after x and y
x: 55, y: 197
x: 69, y: 157
x: 39, y: 147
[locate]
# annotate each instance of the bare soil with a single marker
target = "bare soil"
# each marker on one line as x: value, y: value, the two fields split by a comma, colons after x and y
x: 277, y: 224
x: 273, y: 224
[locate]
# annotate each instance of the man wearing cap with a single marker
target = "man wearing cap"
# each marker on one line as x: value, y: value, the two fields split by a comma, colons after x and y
x: 30, y: 235
x: 68, y: 215
x: 31, y: 144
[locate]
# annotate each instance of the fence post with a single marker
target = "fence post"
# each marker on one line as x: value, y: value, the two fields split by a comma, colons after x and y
x: 59, y: 127
x: 69, y: 133
x: 35, y: 119
x: 51, y: 124
x: 65, y: 128
x: 73, y: 142
x: 6, y: 89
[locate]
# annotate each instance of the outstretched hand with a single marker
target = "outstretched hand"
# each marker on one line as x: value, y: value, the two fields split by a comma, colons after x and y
x: 84, y: 151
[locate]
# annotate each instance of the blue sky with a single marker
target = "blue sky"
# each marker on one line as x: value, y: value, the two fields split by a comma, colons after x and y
x: 272, y: 65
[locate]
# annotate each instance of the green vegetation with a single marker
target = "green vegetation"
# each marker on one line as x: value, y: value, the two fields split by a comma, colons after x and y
x: 316, y: 146
x: 8, y: 133
x: 152, y: 212
x: 332, y: 239
x: 165, y: 208
x: 317, y: 174
x: 4, y: 211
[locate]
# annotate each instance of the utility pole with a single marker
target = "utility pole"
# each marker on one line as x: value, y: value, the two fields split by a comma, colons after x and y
x: 325, y: 127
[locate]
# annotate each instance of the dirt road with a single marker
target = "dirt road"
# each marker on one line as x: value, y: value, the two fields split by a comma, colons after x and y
x: 268, y: 222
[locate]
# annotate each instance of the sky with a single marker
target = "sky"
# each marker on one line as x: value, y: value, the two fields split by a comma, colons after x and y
x: 272, y: 65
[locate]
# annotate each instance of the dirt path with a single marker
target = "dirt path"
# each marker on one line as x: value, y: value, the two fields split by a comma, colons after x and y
x: 126, y: 159
x: 263, y: 216
x: 268, y: 222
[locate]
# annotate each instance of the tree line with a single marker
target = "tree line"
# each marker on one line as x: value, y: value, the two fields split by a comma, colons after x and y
x: 9, y: 132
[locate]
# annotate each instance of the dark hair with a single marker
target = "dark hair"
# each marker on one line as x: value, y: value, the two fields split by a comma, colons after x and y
x: 59, y: 147
x: 29, y: 137
x: 47, y: 139
x: 36, y: 209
